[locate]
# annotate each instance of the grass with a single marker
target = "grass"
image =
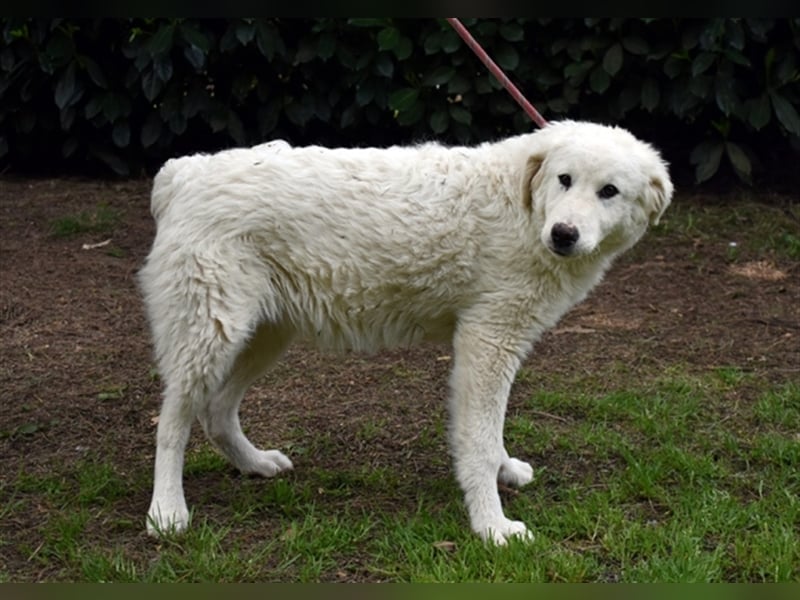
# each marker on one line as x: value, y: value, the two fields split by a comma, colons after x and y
x: 661, y: 482
x: 747, y: 228
x: 102, y: 219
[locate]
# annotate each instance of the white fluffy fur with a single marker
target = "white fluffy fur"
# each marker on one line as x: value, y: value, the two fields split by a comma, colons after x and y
x: 367, y: 248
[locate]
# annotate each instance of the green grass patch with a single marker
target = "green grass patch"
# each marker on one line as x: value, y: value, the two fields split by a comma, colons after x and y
x: 664, y: 481
x: 751, y: 229
x: 101, y: 220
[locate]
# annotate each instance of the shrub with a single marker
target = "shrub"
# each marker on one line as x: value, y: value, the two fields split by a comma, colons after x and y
x: 128, y: 93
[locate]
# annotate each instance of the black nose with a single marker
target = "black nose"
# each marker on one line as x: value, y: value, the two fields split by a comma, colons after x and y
x: 564, y: 237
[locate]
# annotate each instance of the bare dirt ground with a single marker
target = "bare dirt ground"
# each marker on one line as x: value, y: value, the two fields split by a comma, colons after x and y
x: 76, y: 375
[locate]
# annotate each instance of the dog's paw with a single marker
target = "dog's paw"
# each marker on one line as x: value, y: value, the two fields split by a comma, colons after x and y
x: 515, y: 473
x: 502, y: 531
x: 163, y: 519
x: 268, y: 463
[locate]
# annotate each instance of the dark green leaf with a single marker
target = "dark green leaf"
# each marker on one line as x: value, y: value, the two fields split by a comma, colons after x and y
x: 348, y: 117
x: 116, y: 106
x: 65, y: 88
x: 67, y: 117
x: 701, y: 86
x: 306, y: 50
x: 7, y: 59
x: 25, y: 121
x: 439, y: 76
x: 267, y: 117
x: 702, y: 62
x: 403, y: 48
x: 403, y: 99
x: 111, y: 159
x: 384, y: 65
x: 161, y: 42
x: 506, y: 56
x: 786, y: 70
x: 635, y: 45
x: 576, y: 72
x: 162, y: 67
x: 68, y: 148
x: 367, y: 22
x: 388, y: 38
x: 195, y: 57
x: 60, y: 50
x: 151, y: 130
x: 450, y: 41
x: 346, y: 56
x: 485, y: 28
x: 612, y: 60
x: 734, y: 34
x: 95, y: 72
x: 759, y: 112
x: 674, y: 66
x: 599, y: 80
x: 412, y: 115
x: 236, y: 128
x: 218, y: 118
x: 650, y: 94
x: 739, y: 160
x: 727, y: 99
x: 365, y: 93
x: 94, y: 106
x: 512, y: 32
x: 177, y: 123
x: 245, y: 32
x: 460, y: 114
x: 706, y: 156
x: 458, y: 85
x: 483, y: 85
x: 195, y: 37
x: 433, y: 43
x: 630, y: 97
x: 502, y: 104
x: 760, y: 27
x: 737, y: 57
x: 326, y: 46
x: 121, y: 134
x: 298, y: 113
x: 786, y: 113
x: 266, y: 38
x: 229, y: 41
x: 439, y: 121
x: 151, y: 85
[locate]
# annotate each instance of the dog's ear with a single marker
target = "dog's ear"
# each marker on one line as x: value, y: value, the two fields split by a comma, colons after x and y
x: 658, y: 196
x: 529, y: 180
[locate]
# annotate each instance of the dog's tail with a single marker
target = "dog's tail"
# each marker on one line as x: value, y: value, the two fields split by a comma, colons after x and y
x: 163, y: 188
x: 169, y: 181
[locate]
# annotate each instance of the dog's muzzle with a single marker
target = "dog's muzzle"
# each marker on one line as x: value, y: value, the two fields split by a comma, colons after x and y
x: 563, y: 238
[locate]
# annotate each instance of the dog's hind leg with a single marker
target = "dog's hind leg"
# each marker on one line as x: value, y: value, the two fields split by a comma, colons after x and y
x: 514, y: 472
x: 220, y: 415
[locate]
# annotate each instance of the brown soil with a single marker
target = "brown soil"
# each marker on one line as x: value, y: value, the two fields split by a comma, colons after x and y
x: 76, y: 376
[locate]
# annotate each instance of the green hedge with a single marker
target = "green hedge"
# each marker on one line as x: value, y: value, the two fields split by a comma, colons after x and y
x: 128, y: 93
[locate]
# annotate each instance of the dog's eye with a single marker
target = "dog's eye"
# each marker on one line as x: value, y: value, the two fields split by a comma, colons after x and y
x: 608, y: 191
x: 565, y: 180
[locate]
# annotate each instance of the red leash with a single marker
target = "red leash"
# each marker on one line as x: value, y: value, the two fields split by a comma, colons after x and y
x: 497, y: 72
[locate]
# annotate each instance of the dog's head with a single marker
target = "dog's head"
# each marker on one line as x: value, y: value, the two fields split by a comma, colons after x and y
x: 591, y: 187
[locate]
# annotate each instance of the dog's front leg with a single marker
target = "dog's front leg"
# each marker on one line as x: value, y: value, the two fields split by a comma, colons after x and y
x: 483, y: 370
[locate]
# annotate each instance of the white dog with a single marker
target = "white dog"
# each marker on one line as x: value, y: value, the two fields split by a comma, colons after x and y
x: 487, y: 246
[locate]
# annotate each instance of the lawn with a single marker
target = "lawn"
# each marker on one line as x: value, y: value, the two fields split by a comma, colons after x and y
x: 662, y: 418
